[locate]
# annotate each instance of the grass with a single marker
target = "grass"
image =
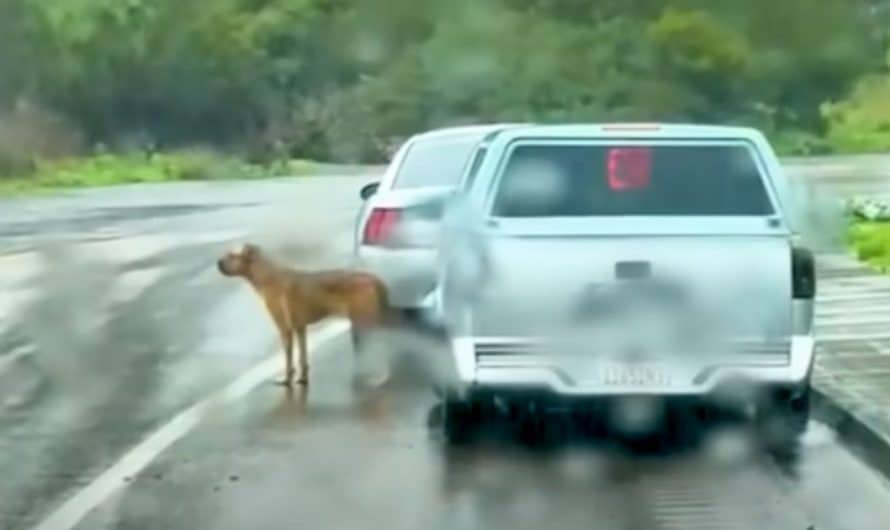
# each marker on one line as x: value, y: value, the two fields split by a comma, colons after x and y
x: 114, y: 169
x: 799, y: 143
x: 870, y: 241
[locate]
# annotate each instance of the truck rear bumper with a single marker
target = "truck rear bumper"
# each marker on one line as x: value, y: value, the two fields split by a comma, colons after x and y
x: 791, y: 369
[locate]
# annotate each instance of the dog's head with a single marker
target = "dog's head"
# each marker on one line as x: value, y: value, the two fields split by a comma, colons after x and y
x: 238, y: 261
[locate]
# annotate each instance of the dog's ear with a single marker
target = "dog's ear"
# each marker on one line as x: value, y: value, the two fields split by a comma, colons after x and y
x: 250, y: 251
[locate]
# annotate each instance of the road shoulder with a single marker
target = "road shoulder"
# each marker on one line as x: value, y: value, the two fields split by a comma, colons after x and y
x: 852, y: 373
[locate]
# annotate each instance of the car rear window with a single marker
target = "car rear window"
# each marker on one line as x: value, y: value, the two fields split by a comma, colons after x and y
x: 436, y: 161
x: 475, y: 164
x: 614, y: 180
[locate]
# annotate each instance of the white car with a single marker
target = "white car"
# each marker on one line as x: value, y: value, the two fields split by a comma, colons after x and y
x: 395, y: 230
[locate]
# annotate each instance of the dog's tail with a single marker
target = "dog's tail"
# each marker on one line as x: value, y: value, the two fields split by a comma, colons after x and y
x: 398, y: 319
x: 390, y: 316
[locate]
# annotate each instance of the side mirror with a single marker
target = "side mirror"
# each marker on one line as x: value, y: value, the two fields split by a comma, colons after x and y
x: 368, y: 190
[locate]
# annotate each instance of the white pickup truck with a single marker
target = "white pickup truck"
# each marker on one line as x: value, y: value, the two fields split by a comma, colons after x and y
x: 588, y: 267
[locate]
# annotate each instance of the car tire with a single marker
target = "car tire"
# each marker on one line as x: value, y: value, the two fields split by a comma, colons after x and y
x: 782, y: 419
x: 418, y: 321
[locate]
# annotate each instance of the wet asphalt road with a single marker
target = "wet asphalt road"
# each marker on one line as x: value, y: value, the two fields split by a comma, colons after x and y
x: 333, y: 459
x: 113, y: 317
x: 113, y: 321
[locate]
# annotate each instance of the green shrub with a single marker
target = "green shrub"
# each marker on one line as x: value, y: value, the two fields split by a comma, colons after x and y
x: 870, y: 241
x: 192, y: 165
x: 795, y: 142
x: 868, y: 231
x: 861, y: 123
x: 29, y: 133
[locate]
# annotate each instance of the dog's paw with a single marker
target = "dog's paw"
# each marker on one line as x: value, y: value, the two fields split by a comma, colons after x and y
x: 284, y: 381
x: 303, y: 380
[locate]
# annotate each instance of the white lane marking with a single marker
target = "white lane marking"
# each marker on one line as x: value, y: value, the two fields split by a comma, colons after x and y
x: 69, y: 514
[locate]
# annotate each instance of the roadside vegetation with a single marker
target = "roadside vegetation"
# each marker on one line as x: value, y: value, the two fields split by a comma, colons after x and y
x: 89, y: 87
x: 868, y: 233
x: 129, y: 168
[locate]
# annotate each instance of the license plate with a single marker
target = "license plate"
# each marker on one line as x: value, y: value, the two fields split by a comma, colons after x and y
x: 636, y: 375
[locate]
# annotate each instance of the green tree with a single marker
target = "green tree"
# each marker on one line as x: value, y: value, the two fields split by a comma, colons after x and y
x: 862, y: 121
x: 337, y: 78
x: 502, y: 64
x: 709, y: 57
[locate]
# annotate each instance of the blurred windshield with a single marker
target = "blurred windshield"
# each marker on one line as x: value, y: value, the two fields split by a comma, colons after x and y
x: 435, y: 162
x: 590, y: 180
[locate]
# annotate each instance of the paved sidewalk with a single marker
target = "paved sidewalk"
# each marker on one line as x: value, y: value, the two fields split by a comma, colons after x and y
x: 853, y: 362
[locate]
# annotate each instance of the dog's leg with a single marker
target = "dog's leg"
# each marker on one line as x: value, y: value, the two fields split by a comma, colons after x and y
x: 287, y: 342
x: 371, y: 359
x: 303, y: 356
x: 360, y: 361
x: 295, y: 327
x: 357, y: 339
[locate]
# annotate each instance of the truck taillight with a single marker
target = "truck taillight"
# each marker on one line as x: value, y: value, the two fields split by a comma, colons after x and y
x: 381, y: 225
x: 803, y: 274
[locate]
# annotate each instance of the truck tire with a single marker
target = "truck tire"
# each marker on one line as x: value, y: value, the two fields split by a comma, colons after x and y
x: 460, y: 421
x: 782, y: 419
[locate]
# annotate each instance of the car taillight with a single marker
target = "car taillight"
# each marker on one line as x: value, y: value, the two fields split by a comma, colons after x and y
x: 381, y: 225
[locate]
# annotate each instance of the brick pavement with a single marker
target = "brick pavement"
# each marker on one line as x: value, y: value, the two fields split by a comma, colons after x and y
x: 852, y: 371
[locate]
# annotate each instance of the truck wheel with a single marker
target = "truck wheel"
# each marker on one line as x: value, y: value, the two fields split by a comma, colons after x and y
x: 542, y: 432
x: 782, y: 419
x: 460, y: 421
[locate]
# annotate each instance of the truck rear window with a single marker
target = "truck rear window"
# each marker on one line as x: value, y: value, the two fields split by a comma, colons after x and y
x: 614, y: 180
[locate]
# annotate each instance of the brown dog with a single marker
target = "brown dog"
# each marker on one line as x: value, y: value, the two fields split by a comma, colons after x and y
x: 296, y: 299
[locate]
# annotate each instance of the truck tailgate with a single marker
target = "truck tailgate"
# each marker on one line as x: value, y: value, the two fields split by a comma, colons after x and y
x: 540, y: 283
